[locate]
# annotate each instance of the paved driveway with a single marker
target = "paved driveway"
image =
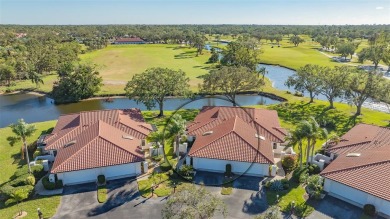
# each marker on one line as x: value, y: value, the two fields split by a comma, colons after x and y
x: 331, y: 207
x: 123, y: 201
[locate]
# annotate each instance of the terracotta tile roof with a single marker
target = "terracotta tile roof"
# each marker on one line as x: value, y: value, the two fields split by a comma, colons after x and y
x: 98, y: 145
x: 368, y: 169
x: 362, y: 137
x: 266, y: 121
x: 233, y: 136
x: 129, y: 39
x: 69, y: 126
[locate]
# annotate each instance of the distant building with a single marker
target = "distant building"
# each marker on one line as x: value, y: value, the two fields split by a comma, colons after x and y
x: 129, y: 40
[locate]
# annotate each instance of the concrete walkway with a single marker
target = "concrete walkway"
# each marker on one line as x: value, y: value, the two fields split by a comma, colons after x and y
x: 40, y: 190
x: 280, y: 174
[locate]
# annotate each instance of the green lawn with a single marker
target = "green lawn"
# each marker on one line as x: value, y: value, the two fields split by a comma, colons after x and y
x: 10, y: 161
x: 294, y: 193
x: 10, y: 154
x: 47, y: 204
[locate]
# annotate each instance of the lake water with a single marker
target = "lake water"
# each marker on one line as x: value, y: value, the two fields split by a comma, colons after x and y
x: 34, y: 108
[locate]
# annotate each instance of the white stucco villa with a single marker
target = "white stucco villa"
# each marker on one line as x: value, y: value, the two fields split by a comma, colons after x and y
x: 245, y: 138
x: 360, y: 174
x: 105, y: 142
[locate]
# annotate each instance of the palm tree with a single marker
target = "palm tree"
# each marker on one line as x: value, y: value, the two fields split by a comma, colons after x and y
x: 296, y: 137
x: 316, y: 133
x: 176, y: 128
x: 22, y: 131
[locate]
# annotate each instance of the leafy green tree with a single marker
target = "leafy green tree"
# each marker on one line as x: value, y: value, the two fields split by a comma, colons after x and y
x: 272, y: 212
x: 23, y: 130
x: 199, y: 43
x: 333, y: 83
x: 77, y: 83
x: 7, y: 74
x: 345, y: 49
x: 306, y: 79
x: 296, y: 40
x: 362, y: 85
x: 229, y: 81
x: 192, y: 203
x: 217, y: 38
x: 18, y: 195
x: 155, y: 84
x: 278, y: 38
x: 374, y: 53
x: 241, y: 53
x: 214, y: 56
x: 386, y: 58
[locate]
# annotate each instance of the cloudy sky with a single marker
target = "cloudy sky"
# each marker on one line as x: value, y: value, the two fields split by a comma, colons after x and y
x: 195, y: 12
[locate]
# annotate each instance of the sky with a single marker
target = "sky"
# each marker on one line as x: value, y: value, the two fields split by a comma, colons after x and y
x: 301, y: 12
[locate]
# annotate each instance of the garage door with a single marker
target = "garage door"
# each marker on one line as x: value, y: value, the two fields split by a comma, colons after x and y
x: 82, y: 176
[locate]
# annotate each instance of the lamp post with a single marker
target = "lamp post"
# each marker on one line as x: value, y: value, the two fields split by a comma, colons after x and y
x: 277, y: 198
x: 174, y: 187
x: 40, y: 215
x: 292, y: 207
x: 152, y: 189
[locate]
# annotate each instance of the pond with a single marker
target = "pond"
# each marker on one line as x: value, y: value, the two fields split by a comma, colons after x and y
x: 34, y: 108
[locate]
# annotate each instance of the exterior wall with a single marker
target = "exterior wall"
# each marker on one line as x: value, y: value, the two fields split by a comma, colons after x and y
x: 90, y: 175
x: 214, y: 165
x: 356, y: 197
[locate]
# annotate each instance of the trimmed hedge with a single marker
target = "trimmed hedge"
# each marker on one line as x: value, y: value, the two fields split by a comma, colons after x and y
x: 298, y: 174
x: 314, y: 169
x: 30, y: 180
x: 36, y: 170
x: 101, y: 179
x: 369, y: 209
x: 7, y: 189
x: 289, y: 163
x: 51, y: 186
x: 36, y: 154
x: 165, y: 166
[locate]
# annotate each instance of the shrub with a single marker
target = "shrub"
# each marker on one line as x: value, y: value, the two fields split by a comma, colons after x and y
x: 165, y: 166
x: 101, y: 179
x: 303, y: 177
x: 157, y: 158
x: 289, y: 163
x: 298, y: 172
x: 314, y: 169
x: 102, y: 194
x: 36, y: 154
x: 6, y: 190
x: 38, y: 171
x: 268, y: 184
x: 277, y: 185
x: 186, y: 170
x: 30, y: 180
x: 228, y: 170
x: 20, y: 181
x: 315, y: 182
x: 51, y: 186
x: 286, y: 183
x: 369, y: 209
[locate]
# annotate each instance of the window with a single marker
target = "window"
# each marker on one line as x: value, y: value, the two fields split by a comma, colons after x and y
x: 275, y: 146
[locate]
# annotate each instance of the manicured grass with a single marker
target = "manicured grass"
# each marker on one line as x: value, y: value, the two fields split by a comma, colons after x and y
x: 47, y: 204
x: 227, y: 188
x: 162, y: 182
x: 10, y: 154
x: 294, y: 57
x: 294, y: 193
x: 121, y: 62
x: 102, y: 194
x: 10, y: 161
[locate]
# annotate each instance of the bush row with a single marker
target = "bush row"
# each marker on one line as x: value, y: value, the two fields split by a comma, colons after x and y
x: 51, y: 186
